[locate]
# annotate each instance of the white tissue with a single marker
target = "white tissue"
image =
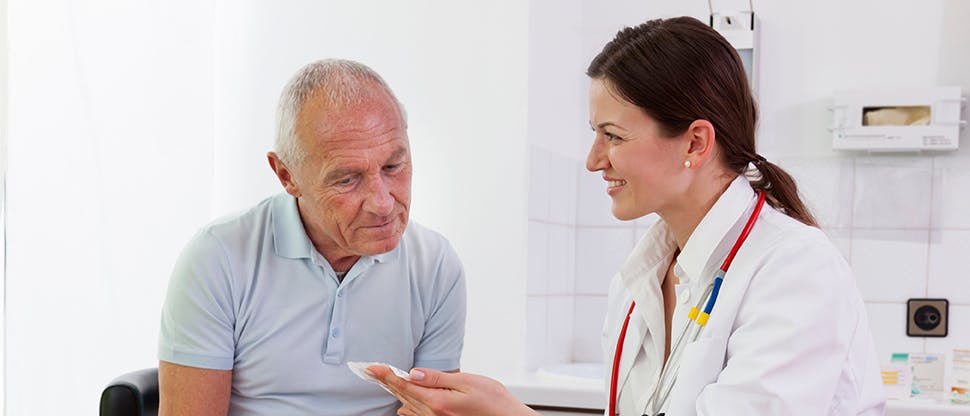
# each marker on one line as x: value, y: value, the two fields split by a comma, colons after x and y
x: 358, y: 367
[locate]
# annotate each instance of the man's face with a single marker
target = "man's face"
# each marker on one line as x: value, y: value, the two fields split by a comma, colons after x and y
x: 354, y: 187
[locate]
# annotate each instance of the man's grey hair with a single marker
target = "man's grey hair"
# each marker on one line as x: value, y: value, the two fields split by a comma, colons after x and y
x: 344, y: 82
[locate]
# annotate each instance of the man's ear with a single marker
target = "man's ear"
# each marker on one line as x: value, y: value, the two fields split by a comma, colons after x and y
x: 700, y: 142
x: 284, y: 174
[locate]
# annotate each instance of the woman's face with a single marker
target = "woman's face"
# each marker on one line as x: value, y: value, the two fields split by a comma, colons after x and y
x: 644, y: 171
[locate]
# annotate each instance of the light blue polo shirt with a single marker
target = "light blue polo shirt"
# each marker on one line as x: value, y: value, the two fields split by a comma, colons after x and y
x: 251, y: 294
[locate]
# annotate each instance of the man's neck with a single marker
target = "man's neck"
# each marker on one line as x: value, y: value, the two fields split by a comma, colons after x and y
x: 340, y: 264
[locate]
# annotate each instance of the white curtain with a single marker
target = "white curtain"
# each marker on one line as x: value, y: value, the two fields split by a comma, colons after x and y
x: 111, y: 138
x: 131, y: 124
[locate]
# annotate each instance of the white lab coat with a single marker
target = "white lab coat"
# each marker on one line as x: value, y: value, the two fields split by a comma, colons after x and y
x: 787, y: 336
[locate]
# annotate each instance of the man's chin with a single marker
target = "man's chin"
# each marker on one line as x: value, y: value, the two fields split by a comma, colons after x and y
x: 382, y: 246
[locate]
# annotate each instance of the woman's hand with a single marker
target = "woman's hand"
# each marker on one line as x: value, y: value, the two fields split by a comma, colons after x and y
x: 435, y: 393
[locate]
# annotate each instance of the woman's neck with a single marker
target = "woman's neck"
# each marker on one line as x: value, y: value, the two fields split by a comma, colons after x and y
x: 684, y: 216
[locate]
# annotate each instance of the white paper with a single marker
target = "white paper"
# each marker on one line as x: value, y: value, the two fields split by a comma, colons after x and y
x: 960, y: 390
x: 927, y: 371
x: 358, y: 367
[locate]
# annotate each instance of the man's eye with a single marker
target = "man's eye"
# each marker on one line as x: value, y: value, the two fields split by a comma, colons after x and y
x: 391, y: 168
x: 344, y: 181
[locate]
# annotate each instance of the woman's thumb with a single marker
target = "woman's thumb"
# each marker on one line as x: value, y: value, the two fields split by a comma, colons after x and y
x: 431, y: 378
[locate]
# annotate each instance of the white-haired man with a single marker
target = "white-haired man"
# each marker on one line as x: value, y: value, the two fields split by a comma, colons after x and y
x: 265, y: 308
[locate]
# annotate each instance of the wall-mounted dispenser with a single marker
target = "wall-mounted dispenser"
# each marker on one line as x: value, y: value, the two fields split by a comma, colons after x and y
x: 740, y: 29
x: 897, y: 119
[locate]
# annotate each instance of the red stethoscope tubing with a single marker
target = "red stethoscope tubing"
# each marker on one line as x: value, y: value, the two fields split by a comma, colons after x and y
x: 615, y: 374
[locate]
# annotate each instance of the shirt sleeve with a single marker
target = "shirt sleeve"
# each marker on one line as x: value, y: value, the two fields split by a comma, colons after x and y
x: 440, y: 346
x: 197, y: 323
x: 791, y: 338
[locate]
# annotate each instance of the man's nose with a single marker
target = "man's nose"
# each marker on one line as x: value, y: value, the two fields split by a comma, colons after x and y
x: 379, y: 200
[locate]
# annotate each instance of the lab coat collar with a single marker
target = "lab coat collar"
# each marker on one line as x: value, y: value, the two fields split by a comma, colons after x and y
x: 642, y: 274
x: 709, y: 235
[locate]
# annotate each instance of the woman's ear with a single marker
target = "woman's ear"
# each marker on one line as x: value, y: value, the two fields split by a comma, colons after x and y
x: 700, y: 143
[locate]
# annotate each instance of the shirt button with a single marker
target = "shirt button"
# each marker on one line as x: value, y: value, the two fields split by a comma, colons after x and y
x: 684, y: 295
x: 680, y: 273
x: 335, y: 333
x: 340, y: 294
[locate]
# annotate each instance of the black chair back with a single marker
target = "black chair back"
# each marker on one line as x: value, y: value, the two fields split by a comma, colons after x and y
x: 132, y: 394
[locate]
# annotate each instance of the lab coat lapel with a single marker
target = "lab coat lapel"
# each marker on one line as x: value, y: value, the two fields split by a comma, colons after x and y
x: 642, y: 275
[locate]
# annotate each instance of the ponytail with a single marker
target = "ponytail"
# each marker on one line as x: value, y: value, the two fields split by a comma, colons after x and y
x: 780, y: 190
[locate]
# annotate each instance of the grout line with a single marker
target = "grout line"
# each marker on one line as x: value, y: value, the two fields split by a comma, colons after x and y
x: 903, y: 303
x: 627, y: 225
x: 824, y: 227
x: 590, y: 295
x: 901, y: 228
x: 929, y: 235
x: 852, y: 213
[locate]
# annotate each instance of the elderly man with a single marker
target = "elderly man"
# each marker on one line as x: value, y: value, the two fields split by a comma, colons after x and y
x: 265, y: 308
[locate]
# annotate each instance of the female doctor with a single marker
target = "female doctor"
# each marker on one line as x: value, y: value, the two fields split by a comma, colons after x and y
x: 734, y: 302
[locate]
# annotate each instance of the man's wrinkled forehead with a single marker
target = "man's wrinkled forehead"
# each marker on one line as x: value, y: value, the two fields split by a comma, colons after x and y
x: 321, y: 121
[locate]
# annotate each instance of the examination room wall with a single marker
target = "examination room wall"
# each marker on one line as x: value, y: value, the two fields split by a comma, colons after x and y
x: 901, y: 220
x: 131, y: 124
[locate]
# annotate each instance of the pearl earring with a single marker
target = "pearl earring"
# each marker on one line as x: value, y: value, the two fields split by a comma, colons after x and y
x: 687, y: 164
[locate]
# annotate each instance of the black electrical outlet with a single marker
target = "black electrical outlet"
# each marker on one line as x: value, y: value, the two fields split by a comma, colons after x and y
x: 927, y: 317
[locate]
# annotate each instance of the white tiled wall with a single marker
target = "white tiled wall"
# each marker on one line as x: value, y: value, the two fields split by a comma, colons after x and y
x: 573, y: 254
x: 889, y: 264
x: 906, y: 236
x: 902, y: 221
x: 896, y: 219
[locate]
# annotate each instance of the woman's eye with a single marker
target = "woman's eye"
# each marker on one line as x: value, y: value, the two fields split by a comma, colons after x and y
x: 611, y: 137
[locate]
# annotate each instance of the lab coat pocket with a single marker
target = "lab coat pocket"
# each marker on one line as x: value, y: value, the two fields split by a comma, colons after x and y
x: 701, y: 364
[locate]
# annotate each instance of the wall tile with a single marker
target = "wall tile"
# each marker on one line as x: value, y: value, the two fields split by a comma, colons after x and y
x: 647, y: 220
x: 538, y: 183
x: 593, y: 206
x: 825, y: 184
x: 892, y: 192
x: 590, y: 311
x: 559, y: 345
x: 948, y: 277
x: 958, y: 336
x: 890, y: 265
x: 536, y: 332
x: 562, y: 188
x: 887, y: 321
x: 556, y: 114
x: 561, y: 260
x: 599, y: 254
x: 638, y: 234
x: 842, y: 239
x: 951, y: 193
x: 538, y: 258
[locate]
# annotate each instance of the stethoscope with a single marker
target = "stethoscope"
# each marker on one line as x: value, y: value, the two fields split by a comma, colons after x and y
x: 696, y: 319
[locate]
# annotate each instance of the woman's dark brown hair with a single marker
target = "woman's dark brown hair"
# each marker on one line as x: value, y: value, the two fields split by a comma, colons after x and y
x: 680, y: 70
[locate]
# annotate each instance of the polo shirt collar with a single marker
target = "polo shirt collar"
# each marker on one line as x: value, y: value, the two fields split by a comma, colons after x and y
x: 291, y: 240
x: 709, y: 235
